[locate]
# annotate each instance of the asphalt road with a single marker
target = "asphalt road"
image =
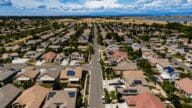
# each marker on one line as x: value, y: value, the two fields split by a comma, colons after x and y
x: 96, y: 84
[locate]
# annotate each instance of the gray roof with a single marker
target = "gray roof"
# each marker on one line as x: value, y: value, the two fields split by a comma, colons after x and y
x: 7, y: 94
x: 66, y: 99
x: 10, y: 69
x: 5, y: 74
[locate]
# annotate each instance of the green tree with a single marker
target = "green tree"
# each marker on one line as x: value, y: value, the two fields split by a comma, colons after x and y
x: 2, y: 50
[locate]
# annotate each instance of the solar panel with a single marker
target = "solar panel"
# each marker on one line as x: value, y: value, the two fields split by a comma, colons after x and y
x: 137, y: 82
x: 72, y: 94
x: 70, y: 73
x: 132, y: 91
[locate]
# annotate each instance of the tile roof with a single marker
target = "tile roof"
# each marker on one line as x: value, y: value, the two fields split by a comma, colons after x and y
x: 7, y: 94
x: 185, y: 85
x: 29, y: 73
x: 77, y: 73
x: 32, y: 97
x: 130, y: 76
x: 120, y: 55
x: 51, y: 72
x: 62, y: 97
x: 144, y: 100
x: 49, y: 55
x: 125, y: 66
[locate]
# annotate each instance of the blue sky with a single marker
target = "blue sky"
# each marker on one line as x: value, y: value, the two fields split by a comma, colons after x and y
x: 95, y: 7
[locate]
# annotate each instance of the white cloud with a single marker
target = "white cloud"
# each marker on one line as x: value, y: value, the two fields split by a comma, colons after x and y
x: 102, y: 4
x: 96, y: 5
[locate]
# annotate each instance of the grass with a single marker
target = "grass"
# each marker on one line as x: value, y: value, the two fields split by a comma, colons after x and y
x: 18, y: 41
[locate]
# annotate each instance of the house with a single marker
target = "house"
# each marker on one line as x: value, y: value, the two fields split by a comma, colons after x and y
x: 54, y: 47
x: 7, y: 74
x: 136, y: 46
x: 76, y: 56
x: 8, y: 94
x: 10, y: 55
x: 184, y: 85
x: 117, y: 56
x: 83, y: 40
x: 59, y: 58
x: 49, y: 76
x: 125, y: 66
x: 12, y: 48
x: 19, y: 61
x: 65, y: 61
x: 32, y: 97
x: 113, y: 84
x: 133, y: 78
x: 61, y: 99
x: 32, y: 55
x: 170, y: 74
x: 144, y: 100
x: 112, y: 48
x: 161, y: 64
x: 49, y: 56
x: 82, y: 48
x: 28, y: 74
x: 71, y: 75
x: 116, y: 105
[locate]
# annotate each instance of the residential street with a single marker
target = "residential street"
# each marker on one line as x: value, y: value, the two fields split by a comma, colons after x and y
x: 96, y: 86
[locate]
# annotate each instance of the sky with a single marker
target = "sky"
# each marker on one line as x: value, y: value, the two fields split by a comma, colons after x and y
x: 94, y: 7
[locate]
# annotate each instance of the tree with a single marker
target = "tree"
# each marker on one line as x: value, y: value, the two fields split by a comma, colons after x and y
x: 90, y: 49
x: 145, y: 66
x: 27, y: 84
x: 168, y: 87
x: 2, y: 50
x: 107, y: 96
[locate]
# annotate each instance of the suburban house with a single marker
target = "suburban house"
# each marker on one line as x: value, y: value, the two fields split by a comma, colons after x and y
x: 136, y: 46
x: 8, y: 72
x: 28, y: 74
x: 49, y: 76
x: 144, y: 100
x: 8, y: 94
x: 59, y: 58
x: 31, y: 98
x: 112, y: 48
x: 76, y: 56
x: 49, y: 56
x: 83, y: 48
x: 113, y: 84
x: 71, y: 75
x: 125, y: 66
x: 133, y: 78
x: 117, y: 56
x: 184, y: 85
x: 161, y: 64
x: 170, y: 74
x: 61, y: 99
x: 33, y: 55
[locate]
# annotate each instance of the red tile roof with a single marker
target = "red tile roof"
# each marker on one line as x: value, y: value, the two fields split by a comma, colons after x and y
x: 185, y: 85
x: 119, y: 55
x: 144, y: 100
x: 49, y: 56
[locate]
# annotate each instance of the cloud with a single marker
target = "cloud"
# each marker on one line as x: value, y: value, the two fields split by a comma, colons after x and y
x: 102, y: 4
x: 5, y: 3
x: 99, y: 5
